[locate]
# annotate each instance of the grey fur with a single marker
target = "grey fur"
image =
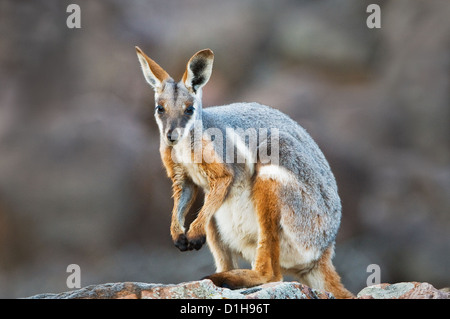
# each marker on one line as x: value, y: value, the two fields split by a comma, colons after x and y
x: 316, y: 192
x: 187, y: 192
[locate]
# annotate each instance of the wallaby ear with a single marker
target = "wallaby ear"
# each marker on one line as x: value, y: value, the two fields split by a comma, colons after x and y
x: 153, y: 73
x: 198, y: 70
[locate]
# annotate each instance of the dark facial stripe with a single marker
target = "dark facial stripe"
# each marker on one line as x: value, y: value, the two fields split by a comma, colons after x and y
x: 175, y: 91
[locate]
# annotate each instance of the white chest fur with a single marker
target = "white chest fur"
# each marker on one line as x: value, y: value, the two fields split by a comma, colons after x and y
x: 182, y: 154
x: 237, y: 222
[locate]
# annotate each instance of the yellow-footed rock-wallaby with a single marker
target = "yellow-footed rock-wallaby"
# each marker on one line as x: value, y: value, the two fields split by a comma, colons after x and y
x: 270, y: 195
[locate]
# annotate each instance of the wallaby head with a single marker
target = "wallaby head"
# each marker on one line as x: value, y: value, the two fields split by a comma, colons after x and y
x: 177, y: 104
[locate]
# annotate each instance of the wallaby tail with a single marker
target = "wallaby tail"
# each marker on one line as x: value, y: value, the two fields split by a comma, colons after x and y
x: 324, y: 276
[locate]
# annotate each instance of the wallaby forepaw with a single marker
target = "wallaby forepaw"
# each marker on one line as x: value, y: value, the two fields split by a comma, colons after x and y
x: 196, y: 238
x: 197, y: 242
x: 182, y: 243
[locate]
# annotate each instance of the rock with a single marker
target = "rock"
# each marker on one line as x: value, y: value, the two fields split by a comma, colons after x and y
x: 203, y: 289
x: 403, y: 290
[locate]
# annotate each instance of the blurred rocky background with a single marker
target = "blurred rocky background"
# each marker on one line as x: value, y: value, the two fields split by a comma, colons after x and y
x: 81, y: 181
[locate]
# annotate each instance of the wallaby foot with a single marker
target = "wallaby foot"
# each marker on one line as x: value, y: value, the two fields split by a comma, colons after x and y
x: 240, y: 278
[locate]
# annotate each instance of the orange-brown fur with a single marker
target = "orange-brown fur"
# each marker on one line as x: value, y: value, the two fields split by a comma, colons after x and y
x: 157, y: 71
x: 175, y: 227
x: 221, y: 253
x: 219, y: 178
x: 331, y: 278
x: 267, y: 266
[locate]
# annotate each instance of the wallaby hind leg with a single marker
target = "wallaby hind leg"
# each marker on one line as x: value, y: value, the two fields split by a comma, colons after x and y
x: 324, y: 276
x: 223, y: 257
x: 266, y: 266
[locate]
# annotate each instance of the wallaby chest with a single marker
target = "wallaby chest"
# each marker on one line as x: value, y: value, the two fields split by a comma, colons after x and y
x: 183, y: 156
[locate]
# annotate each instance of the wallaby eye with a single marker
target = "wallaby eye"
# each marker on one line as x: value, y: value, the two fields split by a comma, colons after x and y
x: 189, y: 110
x: 160, y: 109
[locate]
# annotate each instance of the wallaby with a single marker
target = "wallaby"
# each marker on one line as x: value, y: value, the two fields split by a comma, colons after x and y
x: 281, y: 214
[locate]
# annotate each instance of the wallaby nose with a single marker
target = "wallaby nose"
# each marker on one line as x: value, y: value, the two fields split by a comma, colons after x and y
x: 172, y: 136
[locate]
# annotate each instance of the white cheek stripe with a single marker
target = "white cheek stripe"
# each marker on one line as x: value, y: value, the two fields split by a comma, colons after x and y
x: 188, y: 126
x: 160, y: 125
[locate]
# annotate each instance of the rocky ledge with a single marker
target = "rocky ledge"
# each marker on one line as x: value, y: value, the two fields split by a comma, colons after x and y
x: 205, y: 289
